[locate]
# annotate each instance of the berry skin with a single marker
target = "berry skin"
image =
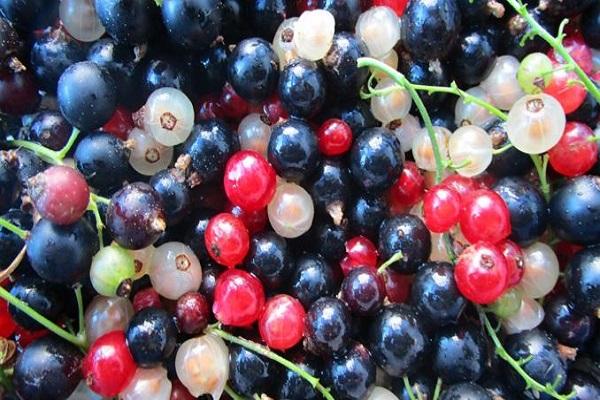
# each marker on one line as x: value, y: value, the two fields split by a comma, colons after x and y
x: 441, y: 209
x: 352, y: 374
x: 249, y: 180
x: 582, y: 280
x: 312, y: 279
x: 146, y: 298
x: 360, y: 251
x: 335, y: 137
x: 192, y: 313
x: 328, y: 326
x: 239, y: 298
x: 409, y: 187
x: 484, y: 216
x: 405, y: 233
x: 120, y: 123
x: 270, y: 260
x: 515, y: 261
x: 255, y: 221
x: 7, y: 324
x: 227, y: 240
x: 281, y: 324
x: 363, y: 290
x: 41, y: 296
x: 151, y: 337
x: 574, y: 154
x: 50, y: 129
x: 60, y: 194
x: 481, y: 273
x: 108, y: 366
x: 569, y: 95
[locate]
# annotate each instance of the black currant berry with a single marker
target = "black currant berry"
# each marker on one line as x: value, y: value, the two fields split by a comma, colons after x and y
x: 405, y: 233
x: 151, y: 336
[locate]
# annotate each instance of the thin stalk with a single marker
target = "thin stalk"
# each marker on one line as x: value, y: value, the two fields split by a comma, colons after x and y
x: 99, y: 199
x: 556, y: 43
x: 541, y: 166
x: 502, y: 149
x: 402, y: 81
x: 45, y: 322
x: 80, y: 310
x: 438, y: 389
x: 93, y: 207
x: 62, y: 153
x: 396, y: 257
x: 517, y: 365
x: 13, y: 265
x: 264, y: 351
x: 408, y: 388
x: 50, y: 156
x: 232, y: 393
x: 4, y: 223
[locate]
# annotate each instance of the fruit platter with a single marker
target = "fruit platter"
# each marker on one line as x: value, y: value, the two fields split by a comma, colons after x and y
x: 299, y: 199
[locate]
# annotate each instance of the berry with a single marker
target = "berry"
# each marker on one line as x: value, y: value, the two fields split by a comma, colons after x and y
x: 441, y: 209
x: 50, y: 129
x: 151, y: 337
x: 281, y: 324
x: 112, y: 271
x: 227, y: 240
x: 515, y: 261
x: 484, y: 216
x: 193, y: 25
x: 127, y: 22
x: 108, y: 367
x: 581, y: 281
x: 250, y: 372
x: 328, y: 326
x: 120, y: 124
x: 239, y: 298
x: 302, y: 88
x: 570, y: 95
x: 269, y: 259
x: 407, y: 234
x: 312, y: 279
x: 409, y: 187
x: 352, y: 374
x: 41, y: 296
x: 574, y: 154
x: 146, y: 298
x: 335, y: 137
x: 481, y: 273
x: 249, y: 180
x: 363, y: 290
x: 192, y: 313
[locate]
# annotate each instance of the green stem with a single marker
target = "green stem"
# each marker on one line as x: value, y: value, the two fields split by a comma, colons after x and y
x: 395, y: 258
x: 503, y: 149
x: 517, y: 365
x: 556, y: 43
x: 262, y: 350
x: 99, y: 199
x: 402, y: 81
x: 408, y: 388
x: 4, y: 223
x: 449, y: 247
x: 456, y: 167
x: 45, y: 322
x: 541, y: 166
x: 79, y: 297
x: 4, y: 380
x: 62, y: 153
x: 93, y: 207
x: 232, y: 393
x: 438, y: 389
x: 50, y: 156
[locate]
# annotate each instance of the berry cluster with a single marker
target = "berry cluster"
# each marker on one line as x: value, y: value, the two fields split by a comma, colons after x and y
x: 299, y: 199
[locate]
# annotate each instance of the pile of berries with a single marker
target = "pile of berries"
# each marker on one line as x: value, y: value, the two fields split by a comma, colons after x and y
x: 299, y: 199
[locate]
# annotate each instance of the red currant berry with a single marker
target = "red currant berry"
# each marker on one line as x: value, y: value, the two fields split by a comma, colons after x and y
x: 408, y: 188
x: 441, y: 208
x: 146, y: 298
x: 239, y: 298
x: 60, y: 194
x: 460, y: 184
x: 108, y: 366
x: 360, y: 251
x: 232, y: 105
x: 481, y: 273
x: 281, y: 325
x: 7, y: 325
x: 180, y: 392
x: 576, y: 47
x: 120, y: 123
x: 255, y: 221
x: 192, y: 313
x: 209, y: 108
x: 484, y: 216
x: 397, y: 5
x: 515, y: 261
x: 565, y: 88
x: 335, y: 137
x: 397, y: 285
x: 273, y: 109
x: 574, y: 154
x: 227, y: 239
x: 249, y: 180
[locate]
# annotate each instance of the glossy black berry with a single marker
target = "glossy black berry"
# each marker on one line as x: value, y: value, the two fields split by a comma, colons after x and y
x: 329, y: 240
x: 312, y: 278
x: 465, y: 391
x: 516, y: 29
x: 426, y: 72
x: 10, y: 243
x: 174, y: 194
x: 209, y: 281
x: 302, y: 88
x: 10, y: 42
x: 87, y: 95
x: 365, y: 214
x: 527, y: 207
x: 575, y: 211
x: 193, y: 24
x: 209, y: 146
x: 363, y: 290
x: 357, y: 114
x: 473, y: 57
x: 8, y: 185
x: 421, y: 385
x: 250, y: 373
x: 41, y: 296
x: 590, y: 26
x: 351, y: 375
x: 26, y: 15
x: 62, y: 253
x: 398, y: 340
x: 293, y: 150
x: 376, y: 160
x: 103, y: 159
x: 582, y: 280
x: 48, y: 369
x: 293, y: 387
x: 52, y: 53
x: 210, y: 68
x: 135, y: 216
x: 583, y: 385
x: 28, y: 164
x: 50, y: 129
x: 345, y: 12
x: 151, y: 336
x: 569, y: 327
x: 194, y: 237
x: 128, y: 21
x: 344, y: 78
x: 545, y: 364
x: 330, y: 189
x: 479, y: 11
x: 459, y: 353
x: 267, y: 15
x: 435, y: 295
x: 431, y: 28
x: 253, y: 69
x: 269, y: 259
x: 405, y: 233
x: 328, y: 326
x: 511, y: 162
x: 18, y: 92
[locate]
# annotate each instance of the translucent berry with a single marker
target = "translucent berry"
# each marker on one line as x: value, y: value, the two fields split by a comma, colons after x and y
x: 291, y: 211
x: 484, y: 216
x: 441, y: 208
x: 281, y: 324
x: 335, y: 137
x: 174, y: 270
x: 227, y: 240
x: 169, y: 116
x: 574, y: 154
x: 239, y: 298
